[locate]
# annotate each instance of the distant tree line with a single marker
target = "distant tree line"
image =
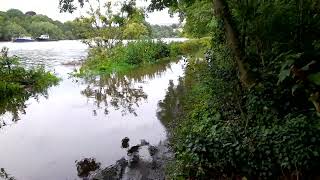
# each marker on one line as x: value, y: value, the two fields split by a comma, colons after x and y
x: 165, y: 31
x: 14, y: 23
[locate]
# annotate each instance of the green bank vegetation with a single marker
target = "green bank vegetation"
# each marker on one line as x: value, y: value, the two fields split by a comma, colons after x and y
x: 18, y: 84
x: 252, y: 108
x: 14, y: 23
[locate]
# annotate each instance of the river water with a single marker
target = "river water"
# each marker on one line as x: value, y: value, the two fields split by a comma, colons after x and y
x: 80, y: 118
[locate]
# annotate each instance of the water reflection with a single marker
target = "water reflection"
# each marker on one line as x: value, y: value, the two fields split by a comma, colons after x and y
x: 170, y: 108
x: 13, y: 107
x: 123, y: 92
x: 5, y: 176
x: 115, y: 91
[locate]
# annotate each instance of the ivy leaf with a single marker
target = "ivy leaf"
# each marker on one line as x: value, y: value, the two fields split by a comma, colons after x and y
x: 315, y: 78
x: 283, y: 75
x: 295, y: 88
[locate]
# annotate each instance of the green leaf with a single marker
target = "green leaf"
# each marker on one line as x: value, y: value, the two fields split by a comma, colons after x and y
x: 283, y: 75
x: 315, y: 78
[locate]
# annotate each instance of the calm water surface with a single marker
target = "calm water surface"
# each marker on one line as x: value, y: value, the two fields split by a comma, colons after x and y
x: 80, y: 118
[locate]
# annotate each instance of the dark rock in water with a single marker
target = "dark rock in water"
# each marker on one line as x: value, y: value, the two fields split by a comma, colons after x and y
x: 133, y: 149
x: 113, y: 172
x: 125, y: 142
x: 137, y: 167
x: 87, y: 165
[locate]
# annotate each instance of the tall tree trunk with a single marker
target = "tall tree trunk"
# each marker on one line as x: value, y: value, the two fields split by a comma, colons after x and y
x: 222, y: 11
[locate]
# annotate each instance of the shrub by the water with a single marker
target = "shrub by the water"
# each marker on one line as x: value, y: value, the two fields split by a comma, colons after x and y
x: 123, y: 58
x: 145, y: 52
x: 190, y: 47
x: 17, y: 84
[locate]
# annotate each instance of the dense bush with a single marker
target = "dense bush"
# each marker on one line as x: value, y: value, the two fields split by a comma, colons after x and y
x: 125, y: 57
x: 141, y: 52
x: 192, y: 46
x: 269, y: 131
x: 217, y: 131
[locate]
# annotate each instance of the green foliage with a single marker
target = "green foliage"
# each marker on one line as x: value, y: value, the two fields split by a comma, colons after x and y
x: 14, y: 23
x: 268, y: 131
x: 160, y: 31
x: 199, y: 19
x: 217, y: 131
x: 14, y: 30
x: 125, y: 57
x: 145, y: 52
x: 135, y: 31
x: 39, y: 28
x: 104, y: 27
x: 190, y: 47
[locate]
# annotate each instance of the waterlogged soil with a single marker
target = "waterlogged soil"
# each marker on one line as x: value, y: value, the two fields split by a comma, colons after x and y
x: 84, y: 118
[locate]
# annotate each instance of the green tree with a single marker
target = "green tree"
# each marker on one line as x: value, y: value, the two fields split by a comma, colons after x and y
x: 14, y: 30
x: 39, y: 28
x: 56, y: 29
x: 221, y: 10
x: 11, y: 13
x: 3, y: 24
x: 135, y: 31
x: 165, y: 31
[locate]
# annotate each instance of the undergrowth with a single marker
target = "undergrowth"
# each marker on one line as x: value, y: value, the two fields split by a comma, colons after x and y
x: 220, y: 131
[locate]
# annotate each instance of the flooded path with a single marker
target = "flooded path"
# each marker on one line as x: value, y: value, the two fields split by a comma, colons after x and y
x: 80, y: 118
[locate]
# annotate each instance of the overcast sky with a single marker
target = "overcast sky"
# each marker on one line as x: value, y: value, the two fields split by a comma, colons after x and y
x: 50, y: 8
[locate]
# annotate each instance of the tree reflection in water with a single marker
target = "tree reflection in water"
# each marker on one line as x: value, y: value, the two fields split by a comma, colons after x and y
x: 122, y: 91
x: 86, y: 165
x: 170, y: 108
x: 12, y: 107
x: 5, y: 176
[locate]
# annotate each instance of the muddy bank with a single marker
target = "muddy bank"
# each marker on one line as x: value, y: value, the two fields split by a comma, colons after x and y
x: 143, y: 161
